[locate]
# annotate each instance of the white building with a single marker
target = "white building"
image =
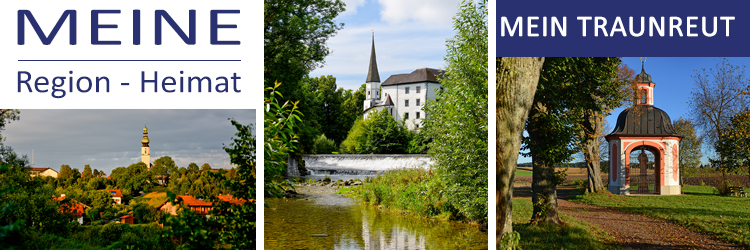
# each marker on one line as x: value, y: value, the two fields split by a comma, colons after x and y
x: 403, y: 95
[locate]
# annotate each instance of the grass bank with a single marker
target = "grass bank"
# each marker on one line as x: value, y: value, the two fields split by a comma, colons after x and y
x: 108, y: 236
x: 726, y: 217
x: 574, y: 234
x: 410, y: 190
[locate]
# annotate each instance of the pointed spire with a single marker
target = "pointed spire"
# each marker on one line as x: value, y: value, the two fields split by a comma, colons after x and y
x: 643, y: 77
x: 372, y: 73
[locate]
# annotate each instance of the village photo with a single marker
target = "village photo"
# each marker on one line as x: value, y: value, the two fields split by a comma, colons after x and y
x: 127, y: 179
x: 632, y: 153
x: 376, y: 127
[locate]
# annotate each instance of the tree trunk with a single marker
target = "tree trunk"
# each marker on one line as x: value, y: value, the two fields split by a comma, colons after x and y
x: 592, y: 128
x: 543, y: 185
x: 517, y: 80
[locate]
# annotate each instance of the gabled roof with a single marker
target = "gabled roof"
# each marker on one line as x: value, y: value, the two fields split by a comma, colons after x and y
x: 115, y: 192
x: 419, y: 75
x: 72, y: 207
x: 231, y: 199
x: 40, y: 169
x: 372, y: 70
x: 191, y: 201
x: 388, y: 101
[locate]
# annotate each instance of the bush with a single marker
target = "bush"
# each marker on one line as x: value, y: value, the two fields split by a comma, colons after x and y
x: 723, y: 188
x: 323, y: 145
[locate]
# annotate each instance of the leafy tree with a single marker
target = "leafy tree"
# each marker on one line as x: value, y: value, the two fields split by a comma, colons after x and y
x: 167, y: 163
x: 205, y: 167
x: 323, y: 145
x: 295, y: 40
x: 190, y: 230
x: 356, y: 138
x: 517, y: 79
x: 66, y: 172
x: 457, y: 124
x: 6, y: 116
x: 571, y: 97
x: 193, y: 168
x: 735, y: 145
x: 690, y: 146
x: 385, y: 135
x: 87, y: 172
x: 280, y: 120
x: 716, y: 97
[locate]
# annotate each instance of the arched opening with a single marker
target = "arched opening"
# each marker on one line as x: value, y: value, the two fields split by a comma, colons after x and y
x: 644, y: 96
x: 644, y: 170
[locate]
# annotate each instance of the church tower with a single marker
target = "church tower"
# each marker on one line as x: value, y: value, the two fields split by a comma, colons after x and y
x: 372, y: 83
x: 145, y: 150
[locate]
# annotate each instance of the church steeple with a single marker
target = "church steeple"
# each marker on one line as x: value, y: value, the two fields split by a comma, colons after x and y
x: 145, y: 149
x: 645, y: 86
x: 372, y: 73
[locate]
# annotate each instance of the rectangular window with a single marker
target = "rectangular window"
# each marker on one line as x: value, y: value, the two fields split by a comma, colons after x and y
x: 406, y: 116
x: 407, y: 90
x: 406, y: 103
x: 417, y: 114
x: 418, y: 102
x: 418, y: 89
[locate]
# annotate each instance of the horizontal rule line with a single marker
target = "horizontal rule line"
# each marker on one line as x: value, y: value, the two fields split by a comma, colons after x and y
x: 136, y: 60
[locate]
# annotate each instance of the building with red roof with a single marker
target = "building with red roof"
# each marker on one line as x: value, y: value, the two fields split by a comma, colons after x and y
x: 43, y: 172
x: 72, y: 207
x: 116, y: 195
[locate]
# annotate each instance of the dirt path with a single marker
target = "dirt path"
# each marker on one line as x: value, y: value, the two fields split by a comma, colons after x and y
x: 636, y: 231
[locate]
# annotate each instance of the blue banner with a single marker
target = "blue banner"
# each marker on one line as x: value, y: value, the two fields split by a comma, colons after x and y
x: 623, y: 28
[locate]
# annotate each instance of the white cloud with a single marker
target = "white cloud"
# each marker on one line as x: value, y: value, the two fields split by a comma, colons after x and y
x: 426, y: 12
x: 351, y: 7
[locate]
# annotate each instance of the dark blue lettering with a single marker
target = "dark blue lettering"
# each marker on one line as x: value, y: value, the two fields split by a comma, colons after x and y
x: 95, y: 26
x: 215, y: 26
x: 46, y: 40
x: 188, y: 39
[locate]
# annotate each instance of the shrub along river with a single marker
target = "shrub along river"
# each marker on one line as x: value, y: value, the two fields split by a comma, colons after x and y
x: 316, y: 218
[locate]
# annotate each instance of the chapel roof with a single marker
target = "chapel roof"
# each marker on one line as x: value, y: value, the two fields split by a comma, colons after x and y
x: 644, y: 120
x: 372, y: 70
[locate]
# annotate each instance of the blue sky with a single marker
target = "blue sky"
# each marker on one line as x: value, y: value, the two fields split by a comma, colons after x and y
x: 408, y: 35
x: 674, y: 82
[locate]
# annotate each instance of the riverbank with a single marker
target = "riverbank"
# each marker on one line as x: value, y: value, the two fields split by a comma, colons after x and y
x: 413, y: 191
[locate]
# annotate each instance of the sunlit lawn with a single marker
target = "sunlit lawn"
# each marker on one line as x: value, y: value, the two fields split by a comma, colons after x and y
x: 726, y: 217
x: 153, y: 199
x: 575, y: 234
x: 523, y: 173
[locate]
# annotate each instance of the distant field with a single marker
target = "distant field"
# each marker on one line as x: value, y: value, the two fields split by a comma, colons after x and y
x: 523, y: 173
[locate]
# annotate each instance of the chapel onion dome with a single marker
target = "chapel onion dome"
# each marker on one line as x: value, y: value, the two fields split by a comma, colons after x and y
x: 644, y: 120
x: 643, y: 77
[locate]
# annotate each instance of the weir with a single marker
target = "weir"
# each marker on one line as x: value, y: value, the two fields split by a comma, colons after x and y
x: 362, y: 164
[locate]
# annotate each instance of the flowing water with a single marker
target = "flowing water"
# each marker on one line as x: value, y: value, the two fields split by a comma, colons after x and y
x: 350, y: 166
x: 330, y: 221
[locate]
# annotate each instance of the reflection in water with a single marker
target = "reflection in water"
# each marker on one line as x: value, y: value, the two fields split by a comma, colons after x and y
x: 336, y: 222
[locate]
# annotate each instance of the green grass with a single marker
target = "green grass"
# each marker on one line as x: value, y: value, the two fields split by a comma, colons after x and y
x: 726, y: 217
x: 411, y: 190
x: 153, y: 199
x: 523, y: 173
x: 574, y: 234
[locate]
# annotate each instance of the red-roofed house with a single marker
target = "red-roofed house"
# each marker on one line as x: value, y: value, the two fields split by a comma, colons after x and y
x: 43, y: 172
x: 116, y: 195
x: 127, y: 219
x: 197, y: 205
x: 72, y: 207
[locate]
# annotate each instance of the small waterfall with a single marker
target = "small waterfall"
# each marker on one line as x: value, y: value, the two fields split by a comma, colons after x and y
x: 352, y: 164
x: 292, y: 170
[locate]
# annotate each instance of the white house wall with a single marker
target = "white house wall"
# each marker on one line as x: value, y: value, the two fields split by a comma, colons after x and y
x: 399, y: 96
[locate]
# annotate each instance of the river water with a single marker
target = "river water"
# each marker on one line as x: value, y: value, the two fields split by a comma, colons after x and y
x: 320, y: 220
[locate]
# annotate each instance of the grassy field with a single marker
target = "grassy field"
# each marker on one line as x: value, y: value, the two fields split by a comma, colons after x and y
x: 153, y: 199
x: 523, y: 173
x: 575, y: 234
x: 726, y: 217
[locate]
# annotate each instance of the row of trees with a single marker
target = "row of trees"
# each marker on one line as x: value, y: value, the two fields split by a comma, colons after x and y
x: 380, y: 133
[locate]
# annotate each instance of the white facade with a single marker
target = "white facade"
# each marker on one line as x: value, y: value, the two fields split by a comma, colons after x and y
x: 410, y: 104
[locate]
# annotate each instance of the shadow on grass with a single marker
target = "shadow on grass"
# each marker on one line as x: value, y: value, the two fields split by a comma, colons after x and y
x: 557, y: 237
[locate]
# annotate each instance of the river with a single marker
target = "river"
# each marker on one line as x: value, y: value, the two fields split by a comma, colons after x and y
x: 319, y: 219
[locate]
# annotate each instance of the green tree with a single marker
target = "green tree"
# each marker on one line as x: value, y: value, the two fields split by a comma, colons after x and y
x: 193, y: 168
x: 6, y: 116
x: 356, y: 138
x: 735, y: 145
x: 280, y: 120
x: 205, y: 167
x: 457, y: 124
x: 295, y: 40
x: 66, y: 172
x: 87, y: 172
x: 323, y: 145
x: 385, y: 135
x: 690, y: 146
x: 168, y: 164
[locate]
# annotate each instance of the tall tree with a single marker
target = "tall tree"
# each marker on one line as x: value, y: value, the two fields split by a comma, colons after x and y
x: 690, y: 145
x: 295, y: 35
x: 65, y: 172
x: 517, y: 79
x: 457, y: 124
x: 572, y: 96
x: 87, y: 171
x: 716, y: 97
x: 205, y: 167
x: 192, y: 167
